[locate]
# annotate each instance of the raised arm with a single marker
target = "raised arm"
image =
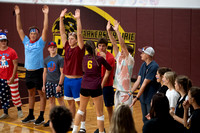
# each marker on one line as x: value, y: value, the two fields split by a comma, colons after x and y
x: 62, y: 27
x: 112, y: 39
x: 121, y: 40
x: 18, y: 23
x: 186, y: 106
x: 79, y: 28
x: 45, y: 10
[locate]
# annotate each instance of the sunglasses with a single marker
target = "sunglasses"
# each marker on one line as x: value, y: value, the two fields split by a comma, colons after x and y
x: 3, y: 40
x: 72, y: 34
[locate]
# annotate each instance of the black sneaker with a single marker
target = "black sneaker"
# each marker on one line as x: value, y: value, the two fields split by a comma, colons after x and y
x: 97, y: 131
x: 28, y: 119
x: 40, y: 120
x: 46, y: 124
x: 82, y: 130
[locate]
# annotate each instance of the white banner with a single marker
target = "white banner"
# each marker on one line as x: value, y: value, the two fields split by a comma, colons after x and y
x: 117, y: 3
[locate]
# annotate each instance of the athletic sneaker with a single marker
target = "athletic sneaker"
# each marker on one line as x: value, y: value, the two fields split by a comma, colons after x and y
x: 82, y: 130
x: 4, y: 116
x: 20, y: 114
x: 40, y: 120
x: 28, y: 119
x: 97, y: 131
x: 46, y: 124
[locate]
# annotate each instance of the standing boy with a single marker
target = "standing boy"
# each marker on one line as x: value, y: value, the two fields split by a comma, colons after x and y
x: 34, y: 63
x: 53, y: 77
x: 9, y: 81
x: 107, y: 79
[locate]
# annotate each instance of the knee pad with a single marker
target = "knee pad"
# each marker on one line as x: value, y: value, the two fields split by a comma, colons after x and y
x: 100, y: 118
x: 80, y: 112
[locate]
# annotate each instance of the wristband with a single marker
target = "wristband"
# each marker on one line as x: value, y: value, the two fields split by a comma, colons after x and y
x: 129, y: 94
x: 136, y: 97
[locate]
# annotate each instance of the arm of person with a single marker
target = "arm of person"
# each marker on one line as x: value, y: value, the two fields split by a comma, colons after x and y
x: 79, y: 28
x: 112, y: 39
x: 18, y: 23
x: 44, y: 79
x: 105, y: 78
x: 62, y: 27
x: 142, y: 88
x: 121, y: 40
x: 62, y: 76
x: 45, y: 10
x: 15, y: 63
x: 177, y: 118
x: 135, y: 86
x: 186, y: 106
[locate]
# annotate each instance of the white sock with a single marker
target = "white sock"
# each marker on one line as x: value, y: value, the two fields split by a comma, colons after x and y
x: 72, y: 125
x: 75, y: 129
x: 82, y: 125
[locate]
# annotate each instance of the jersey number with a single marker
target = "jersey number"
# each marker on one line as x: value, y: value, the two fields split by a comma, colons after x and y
x: 89, y: 64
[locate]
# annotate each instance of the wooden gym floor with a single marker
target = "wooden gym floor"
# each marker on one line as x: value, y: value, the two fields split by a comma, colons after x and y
x: 14, y: 125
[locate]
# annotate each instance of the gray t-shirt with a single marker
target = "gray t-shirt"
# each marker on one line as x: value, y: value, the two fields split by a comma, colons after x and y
x: 53, y: 65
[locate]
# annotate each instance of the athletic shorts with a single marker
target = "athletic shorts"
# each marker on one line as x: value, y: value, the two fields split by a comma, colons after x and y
x: 108, y: 96
x: 34, y: 79
x: 90, y: 92
x: 51, y: 90
x: 72, y: 88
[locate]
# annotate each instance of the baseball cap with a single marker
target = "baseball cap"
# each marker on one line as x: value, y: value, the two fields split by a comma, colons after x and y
x: 52, y: 43
x: 3, y: 36
x: 147, y: 50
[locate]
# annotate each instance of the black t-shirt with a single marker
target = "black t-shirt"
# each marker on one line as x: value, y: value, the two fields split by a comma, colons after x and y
x: 157, y: 125
x: 162, y: 89
x: 195, y: 121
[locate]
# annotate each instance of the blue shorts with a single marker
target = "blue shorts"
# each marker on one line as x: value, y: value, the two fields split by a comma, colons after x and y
x: 108, y: 96
x: 51, y: 90
x: 72, y: 88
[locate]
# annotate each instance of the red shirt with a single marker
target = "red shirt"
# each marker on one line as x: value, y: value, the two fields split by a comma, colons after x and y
x: 6, y: 63
x: 73, y: 60
x: 111, y: 61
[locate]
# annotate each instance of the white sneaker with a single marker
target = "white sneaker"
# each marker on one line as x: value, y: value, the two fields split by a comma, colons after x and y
x: 4, y: 116
x: 20, y: 114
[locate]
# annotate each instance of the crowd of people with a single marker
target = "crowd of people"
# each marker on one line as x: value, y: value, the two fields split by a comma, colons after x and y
x: 169, y: 102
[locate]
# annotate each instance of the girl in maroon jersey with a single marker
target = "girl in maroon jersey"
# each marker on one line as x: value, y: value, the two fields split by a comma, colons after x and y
x: 91, y: 85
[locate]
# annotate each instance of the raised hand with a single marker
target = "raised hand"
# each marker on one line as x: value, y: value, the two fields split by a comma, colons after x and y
x: 108, y: 26
x: 186, y: 104
x: 17, y: 10
x: 77, y: 14
x: 45, y: 9
x: 116, y: 25
x: 63, y: 12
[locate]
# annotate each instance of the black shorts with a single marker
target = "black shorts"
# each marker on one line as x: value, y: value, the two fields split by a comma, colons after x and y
x: 92, y: 93
x: 34, y: 79
x: 108, y: 96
